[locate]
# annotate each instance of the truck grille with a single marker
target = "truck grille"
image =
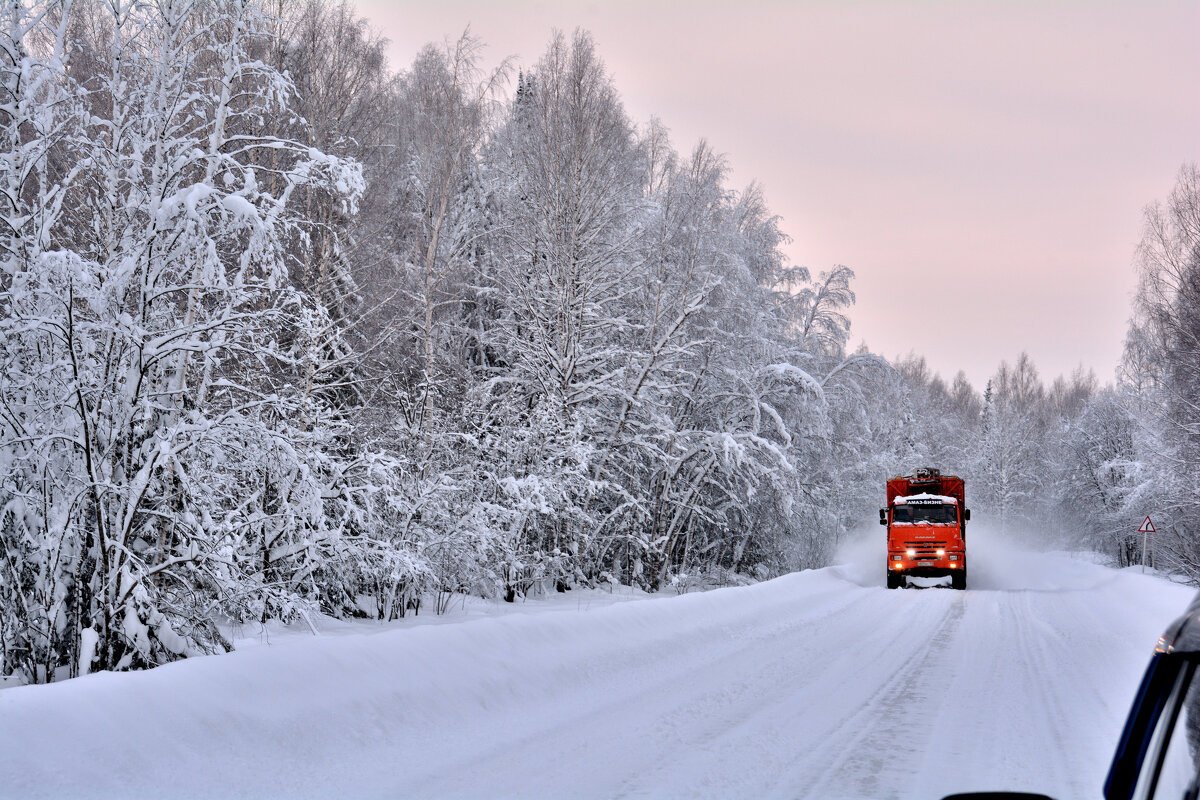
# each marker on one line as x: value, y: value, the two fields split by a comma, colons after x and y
x: 925, y: 547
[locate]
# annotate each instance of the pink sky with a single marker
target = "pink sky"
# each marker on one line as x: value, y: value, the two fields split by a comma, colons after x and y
x: 981, y: 166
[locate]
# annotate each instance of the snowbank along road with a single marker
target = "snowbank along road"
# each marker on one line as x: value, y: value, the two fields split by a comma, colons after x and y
x: 820, y: 684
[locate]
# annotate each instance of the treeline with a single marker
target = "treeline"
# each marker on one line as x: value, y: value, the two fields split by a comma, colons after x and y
x: 284, y: 331
x: 1074, y: 463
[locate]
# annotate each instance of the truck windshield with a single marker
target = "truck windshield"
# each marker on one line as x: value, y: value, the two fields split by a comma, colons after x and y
x: 945, y: 513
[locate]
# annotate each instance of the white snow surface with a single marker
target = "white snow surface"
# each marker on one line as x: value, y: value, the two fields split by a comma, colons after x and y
x: 820, y: 684
x: 903, y: 500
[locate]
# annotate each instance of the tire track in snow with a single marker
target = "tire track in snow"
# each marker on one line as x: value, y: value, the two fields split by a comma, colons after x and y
x: 859, y: 759
x: 670, y: 704
x: 745, y: 751
x: 1034, y: 638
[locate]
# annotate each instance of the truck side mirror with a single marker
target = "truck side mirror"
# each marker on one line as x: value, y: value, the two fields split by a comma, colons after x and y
x: 966, y: 515
x: 883, y: 516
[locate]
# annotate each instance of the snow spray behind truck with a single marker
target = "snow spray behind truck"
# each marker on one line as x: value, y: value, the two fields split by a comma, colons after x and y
x: 926, y: 520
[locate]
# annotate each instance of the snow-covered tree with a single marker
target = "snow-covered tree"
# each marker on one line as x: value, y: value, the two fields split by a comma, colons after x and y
x: 161, y: 460
x: 1163, y: 365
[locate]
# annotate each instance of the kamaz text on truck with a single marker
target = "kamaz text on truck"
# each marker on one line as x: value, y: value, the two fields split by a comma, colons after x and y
x: 926, y: 519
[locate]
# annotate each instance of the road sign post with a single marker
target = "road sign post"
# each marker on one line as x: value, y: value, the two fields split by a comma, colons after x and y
x: 1145, y: 529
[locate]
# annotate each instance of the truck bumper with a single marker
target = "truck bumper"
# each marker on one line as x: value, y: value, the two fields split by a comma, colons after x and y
x: 930, y: 572
x: 938, y: 570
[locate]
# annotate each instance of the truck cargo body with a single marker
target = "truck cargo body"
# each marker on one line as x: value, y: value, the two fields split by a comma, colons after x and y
x: 926, y: 518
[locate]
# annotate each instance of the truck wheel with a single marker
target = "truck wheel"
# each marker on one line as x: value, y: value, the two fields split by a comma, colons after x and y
x: 894, y: 581
x: 959, y: 581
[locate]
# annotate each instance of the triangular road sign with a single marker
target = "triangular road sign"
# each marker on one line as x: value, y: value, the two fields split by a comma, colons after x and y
x: 1147, y: 526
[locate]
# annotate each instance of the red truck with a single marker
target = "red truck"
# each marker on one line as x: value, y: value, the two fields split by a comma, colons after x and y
x: 926, y: 519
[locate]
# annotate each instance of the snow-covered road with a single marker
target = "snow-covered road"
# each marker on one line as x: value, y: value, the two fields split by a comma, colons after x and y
x: 817, y: 685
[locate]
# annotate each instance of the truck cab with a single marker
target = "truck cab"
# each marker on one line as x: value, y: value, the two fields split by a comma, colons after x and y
x: 926, y: 528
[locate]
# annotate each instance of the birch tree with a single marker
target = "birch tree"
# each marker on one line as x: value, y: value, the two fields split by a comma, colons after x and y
x: 161, y: 463
x: 1163, y: 361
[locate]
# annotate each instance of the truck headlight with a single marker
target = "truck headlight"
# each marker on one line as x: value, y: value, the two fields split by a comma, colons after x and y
x: 954, y: 558
x: 912, y: 553
x: 941, y: 553
x: 897, y: 558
